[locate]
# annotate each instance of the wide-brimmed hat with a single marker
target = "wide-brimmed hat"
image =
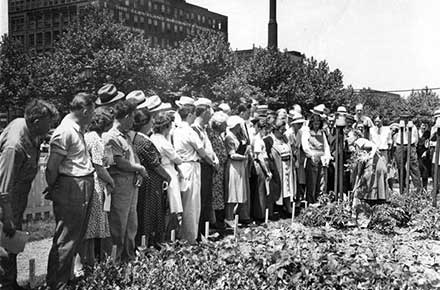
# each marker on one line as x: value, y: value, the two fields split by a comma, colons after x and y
x: 296, y: 118
x: 262, y: 109
x: 342, y: 110
x: 203, y: 102
x: 184, y: 101
x: 224, y: 107
x: 138, y: 97
x: 320, y: 110
x: 436, y: 113
x: 234, y: 121
x: 108, y: 94
x: 154, y: 104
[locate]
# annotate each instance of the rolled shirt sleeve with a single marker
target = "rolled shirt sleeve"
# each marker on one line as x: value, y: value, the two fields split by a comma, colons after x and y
x: 59, y: 142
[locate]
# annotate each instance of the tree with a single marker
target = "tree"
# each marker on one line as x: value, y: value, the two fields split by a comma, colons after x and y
x: 422, y: 104
x: 14, y: 74
x: 197, y: 64
x: 113, y: 51
x: 390, y: 106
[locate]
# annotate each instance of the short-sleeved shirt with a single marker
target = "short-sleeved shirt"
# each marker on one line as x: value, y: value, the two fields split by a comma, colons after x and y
x: 187, y: 142
x: 19, y: 154
x: 68, y: 141
x: 121, y: 146
x: 165, y: 148
x: 381, y: 137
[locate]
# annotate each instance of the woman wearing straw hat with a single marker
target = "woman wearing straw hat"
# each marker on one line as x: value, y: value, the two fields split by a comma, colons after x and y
x: 317, y: 150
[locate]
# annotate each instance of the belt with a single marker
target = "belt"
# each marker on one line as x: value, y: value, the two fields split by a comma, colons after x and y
x: 82, y: 176
x: 191, y: 161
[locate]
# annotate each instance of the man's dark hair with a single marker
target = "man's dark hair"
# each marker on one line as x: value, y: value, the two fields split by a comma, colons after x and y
x: 185, y: 111
x: 103, y: 119
x: 200, y: 110
x: 38, y: 109
x: 243, y: 108
x: 82, y: 101
x: 124, y: 108
x: 141, y: 118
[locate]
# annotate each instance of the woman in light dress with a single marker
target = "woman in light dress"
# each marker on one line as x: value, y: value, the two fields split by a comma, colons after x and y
x: 237, y: 184
x: 169, y: 159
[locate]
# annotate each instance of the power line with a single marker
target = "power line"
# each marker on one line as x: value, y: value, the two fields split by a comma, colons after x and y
x: 402, y: 91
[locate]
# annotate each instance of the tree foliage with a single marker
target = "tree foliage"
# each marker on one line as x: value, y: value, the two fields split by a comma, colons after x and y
x: 202, y: 65
x: 114, y: 53
x: 14, y: 74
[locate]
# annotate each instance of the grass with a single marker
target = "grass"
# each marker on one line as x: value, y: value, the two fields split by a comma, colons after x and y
x: 40, y: 229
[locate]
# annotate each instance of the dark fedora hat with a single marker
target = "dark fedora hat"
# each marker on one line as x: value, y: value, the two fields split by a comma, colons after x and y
x: 108, y: 94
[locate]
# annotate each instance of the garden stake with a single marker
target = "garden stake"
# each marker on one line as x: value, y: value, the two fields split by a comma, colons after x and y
x: 236, y: 226
x: 408, y: 156
x: 402, y: 127
x: 114, y: 250
x: 341, y: 160
x: 206, y: 230
x: 337, y: 165
x: 143, y: 242
x: 436, y: 159
x: 173, y: 236
x: 31, y: 273
x: 293, y: 214
x: 266, y: 220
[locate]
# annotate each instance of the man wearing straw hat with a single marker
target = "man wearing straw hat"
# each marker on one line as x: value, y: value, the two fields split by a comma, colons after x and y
x: 191, y: 150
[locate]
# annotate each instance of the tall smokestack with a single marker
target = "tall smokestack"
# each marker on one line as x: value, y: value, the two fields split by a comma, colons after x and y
x: 273, y: 26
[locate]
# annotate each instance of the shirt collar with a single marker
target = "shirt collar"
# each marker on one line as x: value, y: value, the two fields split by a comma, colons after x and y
x: 73, y: 123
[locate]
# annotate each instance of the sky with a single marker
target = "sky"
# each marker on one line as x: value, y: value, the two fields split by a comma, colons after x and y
x: 381, y: 44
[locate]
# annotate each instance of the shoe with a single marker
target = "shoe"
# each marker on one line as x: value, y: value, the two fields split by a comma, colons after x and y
x: 219, y: 225
x: 246, y: 222
x: 274, y: 217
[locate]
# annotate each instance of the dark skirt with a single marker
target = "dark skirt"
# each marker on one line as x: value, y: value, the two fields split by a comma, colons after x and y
x: 151, y: 209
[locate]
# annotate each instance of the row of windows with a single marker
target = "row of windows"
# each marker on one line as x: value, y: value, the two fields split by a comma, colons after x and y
x: 177, y: 13
x: 19, y: 5
x: 141, y: 21
x: 40, y: 21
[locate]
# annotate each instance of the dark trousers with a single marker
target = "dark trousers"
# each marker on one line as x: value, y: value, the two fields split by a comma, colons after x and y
x: 245, y: 208
x: 71, y: 198
x: 207, y: 211
x: 413, y: 165
x: 258, y: 193
x: 9, y: 264
x: 315, y: 180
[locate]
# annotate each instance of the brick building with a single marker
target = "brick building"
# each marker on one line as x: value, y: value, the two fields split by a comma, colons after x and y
x: 36, y: 23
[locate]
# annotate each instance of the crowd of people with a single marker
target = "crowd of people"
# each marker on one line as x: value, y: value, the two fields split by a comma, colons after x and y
x: 126, y: 170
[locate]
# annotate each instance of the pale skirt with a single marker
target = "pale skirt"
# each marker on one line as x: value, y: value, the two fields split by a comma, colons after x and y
x: 174, y: 198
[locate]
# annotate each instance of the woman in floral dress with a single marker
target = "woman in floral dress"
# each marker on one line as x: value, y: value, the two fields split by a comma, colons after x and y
x: 215, y: 135
x: 97, y: 241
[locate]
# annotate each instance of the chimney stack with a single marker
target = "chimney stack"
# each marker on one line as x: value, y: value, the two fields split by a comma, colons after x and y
x: 273, y: 26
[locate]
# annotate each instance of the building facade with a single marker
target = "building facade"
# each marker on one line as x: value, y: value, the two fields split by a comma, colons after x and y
x: 37, y: 23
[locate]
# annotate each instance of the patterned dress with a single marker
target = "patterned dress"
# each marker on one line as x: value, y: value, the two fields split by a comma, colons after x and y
x: 98, y: 226
x: 218, y: 189
x: 151, y: 207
